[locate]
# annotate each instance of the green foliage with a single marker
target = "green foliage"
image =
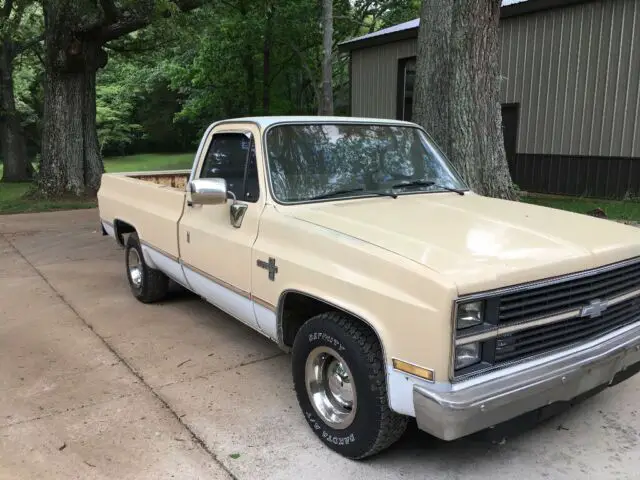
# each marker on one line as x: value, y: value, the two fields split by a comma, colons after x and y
x: 27, y: 79
x: 117, y: 95
x: 25, y: 21
x: 164, y: 84
x: 628, y: 211
x: 114, y: 111
x: 188, y: 70
x: 20, y: 27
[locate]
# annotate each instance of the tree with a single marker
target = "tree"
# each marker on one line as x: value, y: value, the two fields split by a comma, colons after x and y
x: 76, y: 32
x: 244, y: 58
x: 15, y: 39
x: 457, y: 88
x: 326, y: 102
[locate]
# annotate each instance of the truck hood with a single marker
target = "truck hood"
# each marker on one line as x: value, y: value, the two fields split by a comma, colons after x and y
x: 478, y: 243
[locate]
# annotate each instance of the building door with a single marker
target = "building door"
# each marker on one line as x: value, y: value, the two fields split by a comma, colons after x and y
x: 404, y: 94
x: 510, y: 131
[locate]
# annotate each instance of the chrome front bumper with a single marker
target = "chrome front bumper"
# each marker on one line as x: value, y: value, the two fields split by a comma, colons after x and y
x: 465, y: 410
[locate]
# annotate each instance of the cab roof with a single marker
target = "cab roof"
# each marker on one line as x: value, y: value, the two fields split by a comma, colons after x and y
x: 265, y: 122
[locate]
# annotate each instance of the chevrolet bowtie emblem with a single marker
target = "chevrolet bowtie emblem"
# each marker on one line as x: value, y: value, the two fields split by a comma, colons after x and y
x: 594, y: 309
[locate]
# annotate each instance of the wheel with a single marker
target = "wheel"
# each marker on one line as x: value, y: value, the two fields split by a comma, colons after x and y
x: 340, y: 382
x: 147, y: 284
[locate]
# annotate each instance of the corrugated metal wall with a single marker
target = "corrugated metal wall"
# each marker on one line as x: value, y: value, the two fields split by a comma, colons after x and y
x: 374, y: 75
x: 576, y: 73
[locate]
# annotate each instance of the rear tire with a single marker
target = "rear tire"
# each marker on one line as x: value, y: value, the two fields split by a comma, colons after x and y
x: 147, y: 284
x: 340, y: 381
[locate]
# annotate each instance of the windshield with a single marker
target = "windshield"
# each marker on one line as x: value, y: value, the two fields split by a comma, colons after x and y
x: 315, y: 160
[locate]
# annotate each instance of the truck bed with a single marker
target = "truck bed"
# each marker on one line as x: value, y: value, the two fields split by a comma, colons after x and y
x: 152, y: 201
x: 172, y: 178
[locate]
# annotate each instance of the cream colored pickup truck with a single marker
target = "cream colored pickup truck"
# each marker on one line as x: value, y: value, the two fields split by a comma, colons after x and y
x: 355, y: 245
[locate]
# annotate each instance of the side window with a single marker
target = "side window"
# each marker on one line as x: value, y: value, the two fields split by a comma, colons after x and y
x: 232, y: 156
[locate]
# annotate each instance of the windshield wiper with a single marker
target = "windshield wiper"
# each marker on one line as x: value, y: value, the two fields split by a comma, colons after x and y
x: 337, y: 193
x: 426, y: 183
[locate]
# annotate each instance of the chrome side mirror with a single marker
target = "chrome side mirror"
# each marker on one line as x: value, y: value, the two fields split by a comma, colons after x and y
x: 208, y: 191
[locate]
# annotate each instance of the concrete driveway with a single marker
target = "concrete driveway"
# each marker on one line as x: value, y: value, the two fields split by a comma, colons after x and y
x: 97, y: 385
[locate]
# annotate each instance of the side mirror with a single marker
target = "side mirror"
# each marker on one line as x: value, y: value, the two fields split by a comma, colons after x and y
x: 208, y: 191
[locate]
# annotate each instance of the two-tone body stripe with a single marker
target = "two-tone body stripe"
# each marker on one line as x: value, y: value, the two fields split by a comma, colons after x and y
x: 208, y: 276
x: 159, y: 250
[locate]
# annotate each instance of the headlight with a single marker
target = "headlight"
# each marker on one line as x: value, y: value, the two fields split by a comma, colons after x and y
x: 469, y: 314
x: 467, y: 355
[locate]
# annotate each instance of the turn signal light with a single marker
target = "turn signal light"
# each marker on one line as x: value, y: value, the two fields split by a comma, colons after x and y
x: 414, y: 370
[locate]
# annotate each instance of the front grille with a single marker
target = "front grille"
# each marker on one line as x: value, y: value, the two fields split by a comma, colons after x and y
x: 533, y: 341
x: 550, y: 299
x: 560, y: 297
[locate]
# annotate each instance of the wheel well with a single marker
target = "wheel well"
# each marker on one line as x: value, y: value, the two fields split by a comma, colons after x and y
x: 122, y: 228
x: 296, y: 308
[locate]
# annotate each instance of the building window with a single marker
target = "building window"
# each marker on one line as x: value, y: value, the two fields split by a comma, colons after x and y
x: 406, y: 80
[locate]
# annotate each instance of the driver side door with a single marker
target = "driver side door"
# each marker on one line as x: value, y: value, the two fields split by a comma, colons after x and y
x: 216, y: 255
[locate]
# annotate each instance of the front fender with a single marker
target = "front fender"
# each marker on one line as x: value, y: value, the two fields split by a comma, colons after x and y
x: 407, y: 305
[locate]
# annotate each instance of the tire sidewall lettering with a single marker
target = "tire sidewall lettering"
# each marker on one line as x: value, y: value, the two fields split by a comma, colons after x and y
x: 354, y: 346
x: 322, y: 337
x: 328, y: 436
x: 336, y: 438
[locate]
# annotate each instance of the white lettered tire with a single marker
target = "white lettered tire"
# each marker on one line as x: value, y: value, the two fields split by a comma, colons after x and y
x: 339, y: 378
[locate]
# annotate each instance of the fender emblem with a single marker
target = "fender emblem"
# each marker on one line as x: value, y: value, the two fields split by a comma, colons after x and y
x: 269, y: 266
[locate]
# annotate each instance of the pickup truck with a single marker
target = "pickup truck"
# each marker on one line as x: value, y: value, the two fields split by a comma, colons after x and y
x: 400, y: 293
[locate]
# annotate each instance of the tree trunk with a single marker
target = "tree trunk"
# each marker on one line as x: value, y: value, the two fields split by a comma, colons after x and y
x: 71, y: 161
x: 247, y: 60
x: 17, y: 167
x: 326, y: 102
x: 457, y: 90
x: 266, y: 84
x: 251, y: 84
x: 266, y: 58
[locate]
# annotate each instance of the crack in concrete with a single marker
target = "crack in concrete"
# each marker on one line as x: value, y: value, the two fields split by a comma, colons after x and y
x: 217, y: 372
x: 196, y: 439
x: 58, y: 413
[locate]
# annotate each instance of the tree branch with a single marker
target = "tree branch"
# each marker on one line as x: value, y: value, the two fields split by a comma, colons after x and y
x: 128, y: 25
x: 188, y: 5
x: 307, y: 69
x: 40, y: 58
x: 121, y: 28
x: 6, y: 10
x: 110, y: 10
x: 23, y: 47
x: 137, y: 49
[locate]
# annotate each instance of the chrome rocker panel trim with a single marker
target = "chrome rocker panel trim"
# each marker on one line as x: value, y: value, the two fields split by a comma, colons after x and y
x: 456, y: 413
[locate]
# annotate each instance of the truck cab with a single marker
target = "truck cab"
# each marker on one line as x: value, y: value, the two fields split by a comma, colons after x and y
x: 356, y: 246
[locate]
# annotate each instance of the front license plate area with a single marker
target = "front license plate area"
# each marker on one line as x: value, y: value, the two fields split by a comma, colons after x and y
x: 598, y: 374
x: 626, y: 374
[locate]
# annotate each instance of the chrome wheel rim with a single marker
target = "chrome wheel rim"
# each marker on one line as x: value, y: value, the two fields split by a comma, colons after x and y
x: 330, y: 387
x: 135, y: 268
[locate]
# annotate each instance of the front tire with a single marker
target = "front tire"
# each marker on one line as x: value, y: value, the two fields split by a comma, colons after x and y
x: 147, y: 284
x: 339, y: 378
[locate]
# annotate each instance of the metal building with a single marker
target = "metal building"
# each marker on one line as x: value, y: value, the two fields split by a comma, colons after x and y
x: 570, y: 91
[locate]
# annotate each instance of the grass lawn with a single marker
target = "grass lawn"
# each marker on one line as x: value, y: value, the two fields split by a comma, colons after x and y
x: 11, y: 200
x: 11, y: 194
x: 616, y: 210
